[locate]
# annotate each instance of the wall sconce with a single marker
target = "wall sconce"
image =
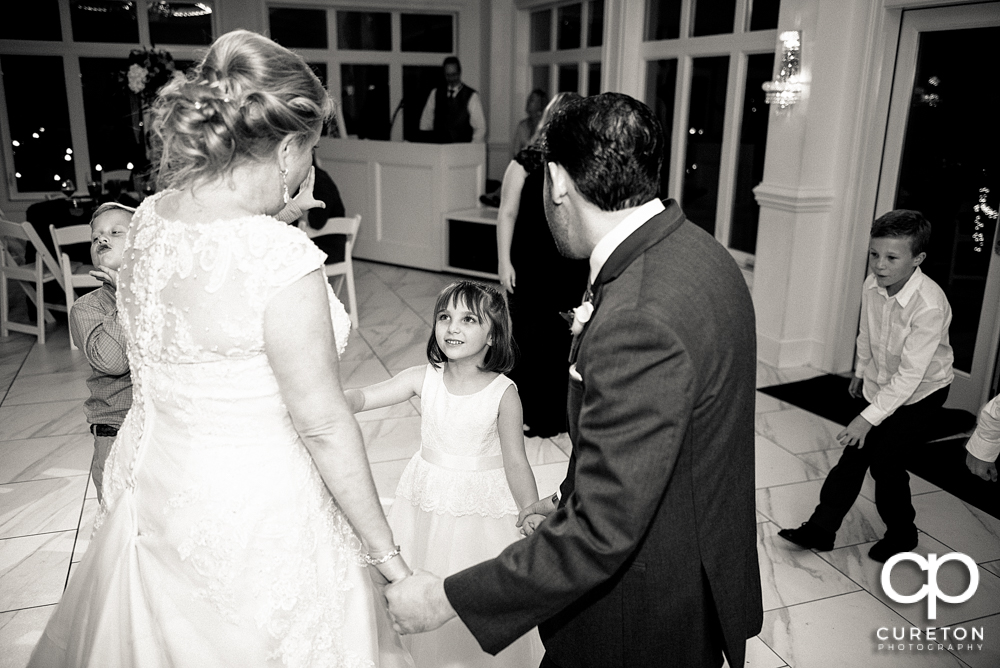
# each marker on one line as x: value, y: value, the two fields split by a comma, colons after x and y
x: 786, y: 89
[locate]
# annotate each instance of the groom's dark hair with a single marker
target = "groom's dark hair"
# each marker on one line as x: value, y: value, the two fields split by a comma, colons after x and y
x: 611, y: 145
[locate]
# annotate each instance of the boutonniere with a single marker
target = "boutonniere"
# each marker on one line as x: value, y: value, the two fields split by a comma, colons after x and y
x: 579, y: 317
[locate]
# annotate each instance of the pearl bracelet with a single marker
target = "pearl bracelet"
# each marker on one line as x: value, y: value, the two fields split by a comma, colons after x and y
x: 381, y: 560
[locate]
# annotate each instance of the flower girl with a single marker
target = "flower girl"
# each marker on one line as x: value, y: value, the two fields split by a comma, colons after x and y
x: 458, y: 498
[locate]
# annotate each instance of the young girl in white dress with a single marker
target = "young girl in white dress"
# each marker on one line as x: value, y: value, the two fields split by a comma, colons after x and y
x: 458, y: 498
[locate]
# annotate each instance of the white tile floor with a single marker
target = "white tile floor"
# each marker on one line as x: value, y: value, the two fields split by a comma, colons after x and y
x: 821, y: 609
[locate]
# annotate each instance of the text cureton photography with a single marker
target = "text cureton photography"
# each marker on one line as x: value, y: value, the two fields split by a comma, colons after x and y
x: 930, y: 639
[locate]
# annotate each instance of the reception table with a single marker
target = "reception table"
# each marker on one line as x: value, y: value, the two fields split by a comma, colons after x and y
x: 403, y: 192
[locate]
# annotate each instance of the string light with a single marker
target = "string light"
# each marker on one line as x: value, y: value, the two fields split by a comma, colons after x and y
x: 981, y: 209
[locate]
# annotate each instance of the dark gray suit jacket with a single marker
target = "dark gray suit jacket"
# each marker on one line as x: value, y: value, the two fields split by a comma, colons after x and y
x: 651, y: 558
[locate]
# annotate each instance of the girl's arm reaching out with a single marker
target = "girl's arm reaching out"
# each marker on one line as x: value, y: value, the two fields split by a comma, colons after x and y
x: 510, y: 425
x: 396, y: 390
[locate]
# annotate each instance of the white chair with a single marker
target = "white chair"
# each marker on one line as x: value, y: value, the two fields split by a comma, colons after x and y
x: 117, y: 175
x: 33, y: 277
x: 72, y: 278
x: 345, y: 269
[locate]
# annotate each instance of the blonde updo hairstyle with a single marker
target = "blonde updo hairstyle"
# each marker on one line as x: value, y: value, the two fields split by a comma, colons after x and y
x: 240, y: 102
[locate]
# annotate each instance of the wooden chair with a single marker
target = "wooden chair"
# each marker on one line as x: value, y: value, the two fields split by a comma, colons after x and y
x: 72, y: 278
x: 348, y: 227
x: 33, y: 277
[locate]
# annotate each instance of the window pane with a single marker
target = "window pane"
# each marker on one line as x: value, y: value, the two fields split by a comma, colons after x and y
x: 663, y: 19
x: 541, y: 30
x: 540, y: 78
x: 750, y: 161
x: 364, y: 31
x: 661, y: 83
x: 298, y: 28
x: 595, y: 23
x: 713, y: 17
x: 569, y: 79
x: 114, y: 137
x: 365, y: 98
x: 593, y: 78
x: 180, y: 22
x: 104, y: 21
x: 570, y: 20
x: 39, y: 20
x: 428, y: 33
x: 704, y: 140
x: 418, y: 82
x: 40, y: 130
x: 764, y: 14
x: 948, y: 170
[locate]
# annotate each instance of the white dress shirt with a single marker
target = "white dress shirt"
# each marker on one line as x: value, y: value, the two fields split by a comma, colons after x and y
x: 903, y: 350
x: 985, y: 442
x: 619, y: 233
x: 476, y: 117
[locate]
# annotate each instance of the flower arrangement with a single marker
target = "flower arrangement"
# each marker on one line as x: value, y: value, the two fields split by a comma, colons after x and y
x: 148, y: 70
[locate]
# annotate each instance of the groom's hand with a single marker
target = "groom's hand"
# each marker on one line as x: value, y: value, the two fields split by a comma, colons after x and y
x: 418, y: 603
x: 543, y: 507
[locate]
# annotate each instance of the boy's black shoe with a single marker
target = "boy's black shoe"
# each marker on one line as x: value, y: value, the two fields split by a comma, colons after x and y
x: 810, y: 537
x: 888, y: 547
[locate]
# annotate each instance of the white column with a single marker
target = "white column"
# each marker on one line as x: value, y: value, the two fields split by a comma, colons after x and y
x: 809, y: 229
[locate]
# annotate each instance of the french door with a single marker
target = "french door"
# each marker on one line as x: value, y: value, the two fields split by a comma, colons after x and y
x: 940, y: 157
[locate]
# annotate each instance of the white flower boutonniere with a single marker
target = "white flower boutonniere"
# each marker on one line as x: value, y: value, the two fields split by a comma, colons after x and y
x: 581, y: 316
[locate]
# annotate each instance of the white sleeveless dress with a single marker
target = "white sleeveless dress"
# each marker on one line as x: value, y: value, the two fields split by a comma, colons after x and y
x: 217, y: 543
x: 454, y: 509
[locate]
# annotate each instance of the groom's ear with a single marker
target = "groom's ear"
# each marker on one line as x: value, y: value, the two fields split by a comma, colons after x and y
x: 560, y: 182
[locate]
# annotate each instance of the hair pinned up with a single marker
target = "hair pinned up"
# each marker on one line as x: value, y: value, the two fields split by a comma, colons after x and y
x: 241, y: 101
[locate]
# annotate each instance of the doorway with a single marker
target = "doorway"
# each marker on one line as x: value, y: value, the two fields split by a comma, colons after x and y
x: 941, y: 158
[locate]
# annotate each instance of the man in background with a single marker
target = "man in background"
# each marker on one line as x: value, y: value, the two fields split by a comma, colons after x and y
x: 454, y: 112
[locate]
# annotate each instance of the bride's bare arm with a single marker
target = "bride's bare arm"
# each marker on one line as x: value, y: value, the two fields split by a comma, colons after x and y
x: 300, y: 346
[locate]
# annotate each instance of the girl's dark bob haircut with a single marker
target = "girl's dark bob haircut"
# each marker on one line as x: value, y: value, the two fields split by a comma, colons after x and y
x: 488, y: 305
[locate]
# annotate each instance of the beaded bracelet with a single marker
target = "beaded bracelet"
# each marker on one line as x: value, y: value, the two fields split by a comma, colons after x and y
x: 381, y: 560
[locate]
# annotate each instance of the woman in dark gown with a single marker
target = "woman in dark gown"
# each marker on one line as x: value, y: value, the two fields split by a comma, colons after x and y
x: 542, y: 285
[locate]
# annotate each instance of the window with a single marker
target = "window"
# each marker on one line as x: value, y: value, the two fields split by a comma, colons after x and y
x: 427, y: 33
x: 713, y: 54
x: 72, y: 92
x: 381, y: 65
x: 364, y: 31
x: 298, y: 28
x: 565, y: 47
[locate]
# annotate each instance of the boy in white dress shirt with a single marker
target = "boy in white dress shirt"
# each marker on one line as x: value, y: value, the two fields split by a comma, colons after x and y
x: 902, y: 376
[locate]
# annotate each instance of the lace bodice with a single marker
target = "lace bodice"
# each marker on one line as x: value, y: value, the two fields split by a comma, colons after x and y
x: 196, y: 292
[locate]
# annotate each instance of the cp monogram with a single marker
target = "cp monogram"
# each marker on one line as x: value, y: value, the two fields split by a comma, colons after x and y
x: 930, y: 591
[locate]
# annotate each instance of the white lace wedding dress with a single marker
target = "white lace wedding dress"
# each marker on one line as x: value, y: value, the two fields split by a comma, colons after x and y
x: 218, y: 543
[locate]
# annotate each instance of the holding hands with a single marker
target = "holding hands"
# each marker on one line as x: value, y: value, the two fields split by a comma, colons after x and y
x: 530, y: 517
x: 418, y: 603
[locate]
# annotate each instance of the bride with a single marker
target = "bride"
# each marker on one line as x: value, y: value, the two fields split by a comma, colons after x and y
x: 240, y: 525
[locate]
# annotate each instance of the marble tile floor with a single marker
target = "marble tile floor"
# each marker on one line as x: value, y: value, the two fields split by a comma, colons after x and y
x: 821, y: 609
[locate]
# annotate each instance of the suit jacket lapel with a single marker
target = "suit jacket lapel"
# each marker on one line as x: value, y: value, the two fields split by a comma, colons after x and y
x: 648, y: 234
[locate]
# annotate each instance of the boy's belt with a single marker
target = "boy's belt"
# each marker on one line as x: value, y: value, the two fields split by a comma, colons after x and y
x: 103, y: 430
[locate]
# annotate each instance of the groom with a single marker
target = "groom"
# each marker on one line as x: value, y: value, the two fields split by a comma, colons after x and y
x: 648, y: 554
